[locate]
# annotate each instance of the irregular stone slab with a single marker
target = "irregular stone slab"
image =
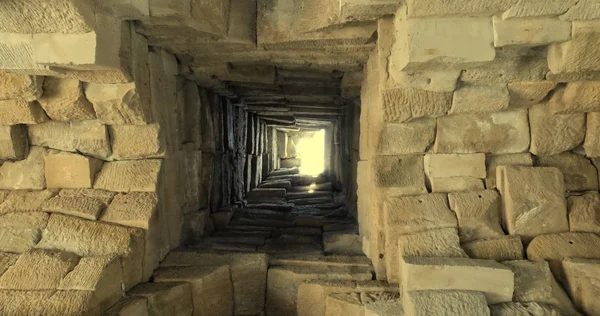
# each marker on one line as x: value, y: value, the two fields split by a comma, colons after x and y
x: 441, y: 8
x: 399, y: 175
x: 17, y: 86
x: 406, y: 138
x: 591, y: 144
x: 129, y: 306
x: 91, y: 138
x: 19, y: 232
x: 582, y: 283
x: 480, y: 99
x: 14, y: 144
x: 63, y: 100
x: 127, y: 176
x: 579, y: 173
x: 66, y: 170
x: 498, y: 133
x: 582, y: 10
x: 84, y: 203
x: 499, y: 249
x: 577, y: 54
x: 510, y: 65
x: 166, y: 298
x: 584, y: 212
x: 493, y: 161
x: 25, y: 201
x: 118, y: 104
x: 454, y: 165
x: 530, y: 210
x: 530, y: 32
x: 440, y: 303
x: 524, y: 309
x: 27, y: 174
x: 528, y: 8
x: 135, y: 209
x: 576, y: 97
x: 495, y: 280
x: 49, y: 266
x: 554, y: 248
x: 406, y: 104
x: 137, y: 141
x: 455, y: 184
x: 18, y: 111
x: 478, y: 214
x: 524, y: 94
x: 442, y: 242
x: 52, y: 134
x: 210, y: 285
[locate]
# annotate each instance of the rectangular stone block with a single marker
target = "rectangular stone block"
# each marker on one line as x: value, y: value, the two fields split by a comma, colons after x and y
x: 25, y: 201
x: 399, y: 175
x: 130, y: 176
x: 406, y: 138
x: 14, y: 144
x: 580, y: 53
x: 84, y: 203
x: 137, y: 141
x: 440, y: 8
x: 478, y: 214
x: 135, y: 209
x: 71, y: 171
x: 26, y: 174
x: 578, y: 172
x: 406, y: 104
x: 166, y: 298
x: 524, y: 94
x: 18, y: 111
x: 493, y: 161
x: 456, y: 184
x: 91, y: 138
x: 499, y: 249
x: 576, y: 97
x: 454, y: 165
x: 119, y: 104
x: 552, y: 134
x: 443, y: 242
x: 447, y: 303
x: 63, y: 100
x: 50, y: 267
x: 581, y: 276
x: 530, y: 32
x: 19, y: 232
x: 480, y: 99
x: 584, y: 212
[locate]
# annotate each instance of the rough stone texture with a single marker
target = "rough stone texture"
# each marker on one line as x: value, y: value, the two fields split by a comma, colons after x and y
x: 17, y: 86
x: 591, y: 143
x: 451, y: 303
x: 14, y: 144
x: 137, y: 141
x: 6, y: 260
x: 343, y: 243
x: 510, y: 64
x: 28, y: 17
x: 533, y: 200
x: 442, y: 242
x: 527, y: 8
x: 478, y: 214
x: 430, y: 80
x: 399, y: 175
x: 18, y: 111
x: 439, y: 8
x: 579, y: 173
x: 578, y: 54
x: 490, y: 277
x: 455, y: 184
x: 530, y: 32
x: 135, y: 209
x: 582, y: 283
x: 87, y: 207
x: 127, y: 176
x: 52, y: 134
x: 454, y: 165
x: 406, y: 138
x: 63, y: 100
x: 582, y: 10
x: 493, y: 161
x: 20, y: 232
x: 343, y: 304
x: 166, y: 298
x: 27, y: 174
x: 312, y: 295
x: 38, y: 269
x: 405, y: 104
x: 576, y: 97
x: 71, y: 171
x: 554, y: 248
x: 385, y: 308
x: 129, y: 306
x: 552, y: 134
x: 119, y: 104
x: 87, y: 137
x: 480, y: 99
x: 49, y: 302
x: 584, y: 212
x: 499, y: 249
x: 524, y: 309
x: 25, y: 201
x: 524, y: 94
x: 211, y: 287
x: 499, y: 133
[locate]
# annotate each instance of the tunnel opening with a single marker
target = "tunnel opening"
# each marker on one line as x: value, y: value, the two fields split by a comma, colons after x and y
x: 311, y: 153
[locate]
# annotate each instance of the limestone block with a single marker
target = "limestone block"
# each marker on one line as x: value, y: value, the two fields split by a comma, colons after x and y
x: 495, y: 280
x: 576, y: 97
x: 129, y: 306
x: 555, y: 248
x: 119, y: 104
x: 478, y: 214
x: 128, y: 9
x: 499, y: 249
x: 312, y: 295
x: 454, y: 165
x: 399, y: 175
x: 584, y: 212
x: 17, y: 86
x: 578, y: 54
x: 582, y: 10
x: 127, y: 176
x: 530, y: 32
x: 524, y: 94
x: 534, y: 8
x: 25, y: 201
x: 166, y: 298
x: 135, y: 209
x: 498, y: 133
x: 578, y: 172
x: 440, y: 303
x: 211, y: 287
x: 533, y: 201
x: 440, y: 8
x: 52, y: 134
x: 456, y: 184
x: 28, y: 16
x: 385, y: 308
x: 524, y: 309
x: 86, y: 207
x: 27, y: 174
x: 430, y: 80
x: 7, y: 259
x: 71, y: 171
x: 63, y: 100
x: 591, y: 143
x: 582, y: 283
x: 360, y: 10
x: 510, y: 65
x: 18, y: 111
x: 552, y: 134
x: 426, y: 212
x: 195, y: 227
x: 443, y: 242
x: 91, y: 138
x: 49, y: 266
x: 345, y: 243
x: 19, y: 232
x: 405, y: 104
x: 14, y: 144
x: 49, y: 302
x: 493, y: 161
x: 406, y: 138
x: 344, y: 304
x: 453, y: 43
x: 480, y: 99
x: 137, y: 141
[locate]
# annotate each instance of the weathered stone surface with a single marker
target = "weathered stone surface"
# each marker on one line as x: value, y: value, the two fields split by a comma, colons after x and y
x: 524, y: 94
x: 499, y: 249
x: 438, y: 303
x: 63, y: 100
x: 439, y: 8
x: 49, y: 266
x: 14, y: 144
x: 582, y: 283
x: 533, y: 200
x: 28, y: 17
x: 135, y: 209
x: 495, y: 280
x: 430, y: 80
x: 71, y: 171
x: 578, y: 54
x: 530, y: 32
x: 7, y: 259
x: 405, y: 104
x: 20, y: 232
x: 343, y: 243
x: 312, y: 295
x: 442, y: 242
x: 17, y: 86
x: 49, y: 302
x: 493, y: 161
x: 137, y: 141
x: 454, y: 165
x: 532, y: 8
x: 406, y: 138
x: 87, y: 137
x: 25, y: 201
x: 27, y: 174
x: 399, y: 175
x: 129, y: 306
x: 195, y: 227
x: 17, y: 111
x: 524, y: 309
x: 166, y: 298
x: 552, y: 134
x: 555, y: 248
x: 119, y: 104
x: 478, y: 214
x: 576, y: 97
x: 343, y: 304
x: 591, y: 144
x: 582, y: 10
x: 126, y: 176
x: 584, y: 212
x: 578, y: 172
x: 455, y: 184
x: 52, y: 134
x: 480, y: 99
x: 498, y: 133
x: 211, y: 287
x: 85, y: 203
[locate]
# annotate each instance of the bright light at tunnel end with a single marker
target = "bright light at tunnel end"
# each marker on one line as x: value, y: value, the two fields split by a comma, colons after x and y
x: 311, y: 151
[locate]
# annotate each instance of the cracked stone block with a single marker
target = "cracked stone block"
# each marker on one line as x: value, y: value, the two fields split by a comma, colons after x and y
x: 406, y: 104
x: 137, y: 141
x: 576, y: 97
x: 591, y: 144
x: 580, y: 53
x: 63, y: 100
x: 582, y: 283
x: 584, y: 212
x: 478, y: 214
x: 91, y: 138
x: 19, y: 232
x: 119, y: 104
x: 533, y: 8
x: 480, y: 99
x: 499, y: 249
x: 14, y: 143
x: 524, y: 94
x: 493, y: 161
x: 552, y: 134
x: 441, y: 8
x: 18, y: 111
x: 166, y: 298
x: 70, y: 171
x: 530, y: 32
x: 50, y: 267
x: 399, y: 175
x: 26, y: 174
x: 406, y: 138
x: 579, y: 173
x: 129, y: 176
x: 18, y: 86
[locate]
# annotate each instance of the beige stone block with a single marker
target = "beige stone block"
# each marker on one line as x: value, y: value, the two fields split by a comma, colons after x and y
x: 49, y: 302
x: 343, y: 243
x: 454, y: 43
x: 91, y: 138
x: 127, y: 176
x: 19, y: 232
x: 27, y: 16
x: 552, y: 134
x: 101, y: 195
x: 510, y: 65
x: 17, y: 86
x: 498, y: 133
x: 533, y: 200
x: 129, y: 306
x: 52, y: 134
x: 137, y: 141
x: 584, y: 212
x: 591, y: 144
x: 166, y: 298
x: 499, y: 249
x: 493, y: 161
x: 406, y: 104
x: 582, y: 10
x: 524, y: 309
x: 495, y: 280
x: 582, y: 283
x: 14, y: 144
x: 25, y: 201
x: 440, y: 8
x: 578, y: 54
x: 456, y: 184
x: 530, y: 32
x: 430, y: 80
x: 443, y: 242
x: 66, y: 170
x: 128, y: 9
x: 49, y: 266
x: 524, y: 94
x: 361, y: 10
x: 406, y: 138
x: 578, y: 172
x: 348, y: 304
x: 438, y: 303
x: 63, y: 100
x: 7, y: 259
x: 480, y: 99
x: 534, y: 8
x: 119, y: 104
x: 454, y: 165
x: 80, y: 206
x: 18, y: 111
x: 385, y: 308
x: 212, y: 292
x: 312, y: 295
x: 478, y: 214
x: 135, y: 209
x: 399, y: 175
x: 27, y: 174
x: 576, y: 97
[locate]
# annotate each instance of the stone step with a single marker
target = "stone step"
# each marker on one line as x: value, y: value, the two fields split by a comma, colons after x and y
x: 341, y: 242
x: 266, y: 193
x: 334, y: 260
x: 283, y: 184
x: 268, y: 222
x: 285, y: 172
x: 314, y: 187
x: 282, y: 207
x: 242, y: 233
x: 312, y: 200
x: 309, y: 211
x: 254, y: 240
x: 305, y: 195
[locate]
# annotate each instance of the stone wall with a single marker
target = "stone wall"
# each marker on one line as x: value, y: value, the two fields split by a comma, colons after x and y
x: 479, y: 139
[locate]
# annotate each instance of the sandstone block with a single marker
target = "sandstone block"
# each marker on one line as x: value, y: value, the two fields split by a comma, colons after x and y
x: 582, y: 10
x: 129, y: 306
x: 578, y: 172
x: 582, y: 283
x: 405, y: 104
x: 493, y: 161
x: 7, y: 259
x: 25, y: 201
x: 391, y: 308
x: 66, y: 170
x: 91, y: 138
x: 344, y: 304
x: 532, y: 8
x: 456, y: 184
x: 19, y: 232
x: 554, y: 248
x: 166, y: 298
x: 524, y: 94
x: 584, y: 212
x: 49, y: 266
x: 18, y: 111
x: 530, y: 32
x: 406, y: 138
x: 52, y: 134
x: 499, y: 249
x: 533, y: 201
x: 478, y: 214
x: 442, y: 8
x: 195, y: 227
x: 576, y: 97
x: 510, y: 65
x: 552, y: 134
x: 63, y: 100
x: 344, y: 243
x: 591, y: 144
x: 312, y: 295
x: 211, y: 287
x: 27, y: 174
x: 443, y: 242
x: 87, y: 207
x: 49, y: 302
x: 495, y: 280
x: 14, y: 144
x: 440, y: 303
x: 430, y: 80
x: 28, y: 17
x: 480, y: 99
x: 135, y: 209
x: 524, y: 309
x: 454, y: 165
x: 578, y: 54
x: 498, y: 133
x: 127, y: 176
x: 137, y: 141
x: 388, y: 177
x: 119, y: 104
x: 17, y: 86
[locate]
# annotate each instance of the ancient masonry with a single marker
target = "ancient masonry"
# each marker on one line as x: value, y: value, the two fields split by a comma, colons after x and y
x: 148, y: 162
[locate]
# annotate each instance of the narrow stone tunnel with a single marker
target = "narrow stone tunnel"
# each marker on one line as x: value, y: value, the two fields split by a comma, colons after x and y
x: 299, y: 157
